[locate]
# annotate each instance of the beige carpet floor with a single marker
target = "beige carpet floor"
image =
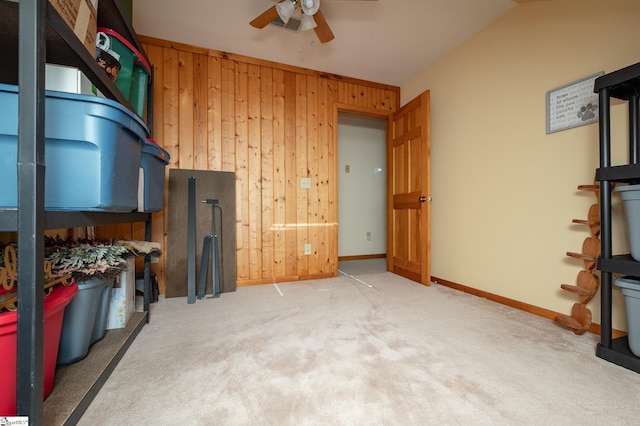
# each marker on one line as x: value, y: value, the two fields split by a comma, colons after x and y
x: 360, y: 349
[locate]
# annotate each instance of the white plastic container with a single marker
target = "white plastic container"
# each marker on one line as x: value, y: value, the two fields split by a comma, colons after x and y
x: 123, y: 297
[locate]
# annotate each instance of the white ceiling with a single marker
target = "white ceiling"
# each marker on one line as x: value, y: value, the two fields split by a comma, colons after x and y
x: 384, y: 41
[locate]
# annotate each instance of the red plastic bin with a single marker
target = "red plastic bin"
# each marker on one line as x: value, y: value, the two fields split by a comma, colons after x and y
x: 54, y: 305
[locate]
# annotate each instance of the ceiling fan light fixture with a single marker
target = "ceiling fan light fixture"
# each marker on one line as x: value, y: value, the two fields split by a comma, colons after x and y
x: 310, y: 7
x: 307, y: 22
x: 285, y: 9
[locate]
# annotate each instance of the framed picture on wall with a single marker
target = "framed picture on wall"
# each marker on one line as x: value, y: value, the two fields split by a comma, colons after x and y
x: 572, y: 105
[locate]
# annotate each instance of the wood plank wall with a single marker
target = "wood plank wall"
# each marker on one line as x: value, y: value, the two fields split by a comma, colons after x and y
x: 271, y: 124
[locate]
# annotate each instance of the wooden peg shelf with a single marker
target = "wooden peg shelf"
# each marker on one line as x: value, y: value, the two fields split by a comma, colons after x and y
x: 579, y: 321
x: 586, y: 288
x: 593, y: 220
x: 587, y: 283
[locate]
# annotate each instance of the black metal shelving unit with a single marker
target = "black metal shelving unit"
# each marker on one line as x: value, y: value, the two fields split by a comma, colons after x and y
x: 623, y: 84
x: 32, y: 33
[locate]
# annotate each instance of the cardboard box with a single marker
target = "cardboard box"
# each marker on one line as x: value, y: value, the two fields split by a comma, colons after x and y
x: 81, y: 16
x: 123, y: 297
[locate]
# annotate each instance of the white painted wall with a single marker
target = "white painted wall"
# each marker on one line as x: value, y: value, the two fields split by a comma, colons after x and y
x: 361, y: 191
x: 505, y: 192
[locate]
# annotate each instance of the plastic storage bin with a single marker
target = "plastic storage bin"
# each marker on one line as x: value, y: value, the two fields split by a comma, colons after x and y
x: 80, y: 318
x: 133, y: 75
x: 54, y: 307
x: 630, y: 287
x: 100, y: 325
x: 116, y: 47
x: 153, y: 161
x: 139, y: 83
x: 630, y: 195
x: 92, y: 152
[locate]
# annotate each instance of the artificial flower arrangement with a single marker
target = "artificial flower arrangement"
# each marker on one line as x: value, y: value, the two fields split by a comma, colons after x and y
x: 86, y: 258
x: 66, y: 261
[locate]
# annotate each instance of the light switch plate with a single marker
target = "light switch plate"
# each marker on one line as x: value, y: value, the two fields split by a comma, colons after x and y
x: 305, y: 183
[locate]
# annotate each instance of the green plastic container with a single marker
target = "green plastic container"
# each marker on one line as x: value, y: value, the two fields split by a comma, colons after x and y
x: 133, y: 78
x: 139, y: 82
x: 110, y: 41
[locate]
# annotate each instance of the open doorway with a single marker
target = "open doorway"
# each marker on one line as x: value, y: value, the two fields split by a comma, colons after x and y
x: 362, y: 187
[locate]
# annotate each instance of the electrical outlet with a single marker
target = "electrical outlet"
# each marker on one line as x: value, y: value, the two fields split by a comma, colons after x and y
x: 368, y: 236
x: 305, y: 183
x: 307, y: 249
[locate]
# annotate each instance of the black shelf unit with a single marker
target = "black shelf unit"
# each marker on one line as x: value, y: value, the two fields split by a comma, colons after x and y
x: 31, y: 33
x: 623, y: 84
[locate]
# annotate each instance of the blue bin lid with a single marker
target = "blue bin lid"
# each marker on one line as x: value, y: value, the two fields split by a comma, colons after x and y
x: 107, y: 106
x: 152, y: 148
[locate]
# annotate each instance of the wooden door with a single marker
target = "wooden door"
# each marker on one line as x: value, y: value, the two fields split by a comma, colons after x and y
x: 409, y: 206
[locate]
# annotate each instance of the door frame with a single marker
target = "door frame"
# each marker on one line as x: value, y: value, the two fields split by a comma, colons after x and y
x: 354, y: 110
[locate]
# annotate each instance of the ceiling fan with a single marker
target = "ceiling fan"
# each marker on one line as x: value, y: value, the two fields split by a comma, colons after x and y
x: 310, y: 17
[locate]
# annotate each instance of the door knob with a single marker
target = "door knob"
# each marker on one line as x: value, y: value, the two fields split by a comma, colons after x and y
x: 422, y: 199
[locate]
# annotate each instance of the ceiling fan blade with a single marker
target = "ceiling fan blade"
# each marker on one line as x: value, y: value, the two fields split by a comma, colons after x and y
x: 265, y: 18
x: 322, y: 29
